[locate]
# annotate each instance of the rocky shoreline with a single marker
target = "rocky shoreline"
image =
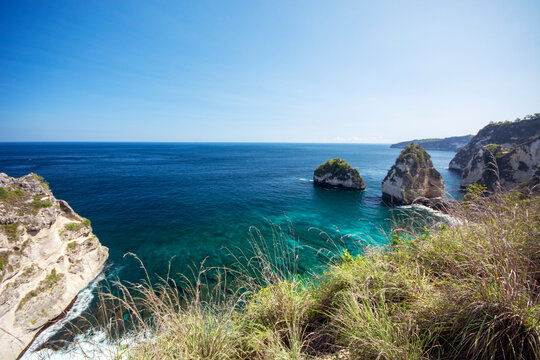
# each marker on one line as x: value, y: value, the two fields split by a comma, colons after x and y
x: 48, y: 253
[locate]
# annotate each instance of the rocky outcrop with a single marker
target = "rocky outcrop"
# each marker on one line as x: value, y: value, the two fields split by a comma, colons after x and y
x: 453, y: 143
x: 412, y: 176
x: 508, y: 134
x: 48, y: 254
x: 338, y: 173
x: 499, y: 167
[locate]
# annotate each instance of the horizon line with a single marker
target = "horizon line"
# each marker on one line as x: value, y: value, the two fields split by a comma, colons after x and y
x: 183, y: 142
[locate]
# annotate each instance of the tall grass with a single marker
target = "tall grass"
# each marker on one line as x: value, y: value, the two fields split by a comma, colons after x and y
x: 463, y: 291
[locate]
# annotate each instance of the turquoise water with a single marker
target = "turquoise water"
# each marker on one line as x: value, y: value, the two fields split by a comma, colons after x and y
x: 187, y: 202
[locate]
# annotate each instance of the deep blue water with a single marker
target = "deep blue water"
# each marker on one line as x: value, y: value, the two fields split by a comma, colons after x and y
x: 192, y: 201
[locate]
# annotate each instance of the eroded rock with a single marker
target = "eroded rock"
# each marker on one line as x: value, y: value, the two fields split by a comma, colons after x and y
x: 48, y: 254
x: 338, y: 173
x: 411, y: 177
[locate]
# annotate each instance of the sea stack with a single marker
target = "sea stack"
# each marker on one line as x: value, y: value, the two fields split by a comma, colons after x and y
x: 48, y: 254
x: 412, y: 176
x: 337, y: 173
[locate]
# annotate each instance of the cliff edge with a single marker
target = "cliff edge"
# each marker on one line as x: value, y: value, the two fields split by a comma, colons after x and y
x: 508, y: 134
x: 48, y: 254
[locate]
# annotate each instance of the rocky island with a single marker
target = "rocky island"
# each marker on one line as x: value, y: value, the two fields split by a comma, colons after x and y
x: 338, y: 173
x: 411, y: 177
x: 48, y: 254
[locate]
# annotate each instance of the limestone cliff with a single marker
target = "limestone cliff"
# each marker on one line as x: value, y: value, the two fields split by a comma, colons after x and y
x: 411, y: 177
x: 48, y: 254
x: 338, y: 173
x: 507, y: 134
x: 496, y: 166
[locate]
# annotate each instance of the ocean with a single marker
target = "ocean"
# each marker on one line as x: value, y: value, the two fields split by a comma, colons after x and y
x: 185, y: 203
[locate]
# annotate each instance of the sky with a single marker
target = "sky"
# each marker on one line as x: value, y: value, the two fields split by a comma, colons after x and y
x: 264, y: 71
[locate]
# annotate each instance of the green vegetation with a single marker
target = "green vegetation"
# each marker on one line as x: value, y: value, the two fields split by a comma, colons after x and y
x: 53, y: 278
x: 37, y: 204
x: 71, y: 246
x: 338, y: 167
x: 3, y: 259
x: 42, y: 181
x: 416, y: 151
x: 11, y: 231
x: 497, y: 150
x: 9, y: 194
x: 466, y: 291
x: 77, y: 226
x: 44, y: 285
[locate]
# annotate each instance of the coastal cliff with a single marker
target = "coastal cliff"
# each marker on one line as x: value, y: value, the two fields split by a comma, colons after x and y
x: 507, y: 134
x: 338, y: 173
x: 48, y: 254
x: 496, y: 166
x: 411, y: 177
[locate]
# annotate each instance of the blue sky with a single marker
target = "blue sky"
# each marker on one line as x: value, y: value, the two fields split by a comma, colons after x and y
x: 291, y: 71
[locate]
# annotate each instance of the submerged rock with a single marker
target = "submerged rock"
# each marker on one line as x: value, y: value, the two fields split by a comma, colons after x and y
x: 338, y: 173
x: 499, y: 167
x: 412, y: 176
x: 48, y: 254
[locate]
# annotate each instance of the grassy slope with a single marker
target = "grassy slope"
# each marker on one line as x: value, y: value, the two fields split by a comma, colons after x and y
x: 463, y: 292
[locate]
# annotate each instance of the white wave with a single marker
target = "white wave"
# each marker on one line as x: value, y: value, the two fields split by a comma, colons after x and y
x: 84, y: 299
x: 304, y: 179
x: 448, y: 218
x: 94, y: 345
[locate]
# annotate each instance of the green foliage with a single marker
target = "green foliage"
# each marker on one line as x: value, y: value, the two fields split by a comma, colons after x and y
x: 498, y: 151
x: 42, y: 181
x: 337, y: 167
x: 474, y: 191
x: 10, y: 194
x: 3, y: 260
x: 75, y: 226
x: 37, y: 204
x: 53, y: 278
x: 71, y: 246
x: 11, y: 230
x: 415, y: 151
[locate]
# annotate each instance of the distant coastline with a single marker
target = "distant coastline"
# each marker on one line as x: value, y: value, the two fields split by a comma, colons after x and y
x: 453, y: 143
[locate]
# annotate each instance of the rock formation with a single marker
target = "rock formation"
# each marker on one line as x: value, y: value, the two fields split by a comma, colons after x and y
x: 338, y: 173
x: 499, y: 167
x: 507, y: 134
x: 412, y: 176
x: 48, y: 254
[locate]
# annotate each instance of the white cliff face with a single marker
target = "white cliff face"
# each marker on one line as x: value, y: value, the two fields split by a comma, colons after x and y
x: 513, y: 167
x: 412, y: 176
x: 329, y: 180
x: 474, y: 170
x: 393, y: 185
x: 48, y: 254
x: 523, y: 162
